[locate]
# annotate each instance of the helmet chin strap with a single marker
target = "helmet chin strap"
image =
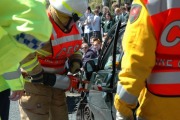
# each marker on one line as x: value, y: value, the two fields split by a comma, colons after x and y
x: 75, y: 17
x: 68, y: 24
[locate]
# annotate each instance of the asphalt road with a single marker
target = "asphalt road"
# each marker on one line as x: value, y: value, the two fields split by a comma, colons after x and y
x: 15, y: 115
x: 14, y: 111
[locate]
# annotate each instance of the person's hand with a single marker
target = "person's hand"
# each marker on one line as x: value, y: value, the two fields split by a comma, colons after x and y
x: 105, y: 34
x: 74, y: 67
x: 124, y: 110
x: 24, y: 73
x: 16, y: 95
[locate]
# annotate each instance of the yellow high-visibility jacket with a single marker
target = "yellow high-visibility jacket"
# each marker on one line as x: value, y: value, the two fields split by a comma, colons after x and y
x: 140, y: 45
x: 24, y: 26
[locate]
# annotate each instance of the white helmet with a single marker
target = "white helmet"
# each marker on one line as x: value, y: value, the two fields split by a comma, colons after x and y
x: 70, y: 6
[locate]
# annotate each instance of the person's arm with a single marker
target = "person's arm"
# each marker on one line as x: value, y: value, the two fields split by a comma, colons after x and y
x: 27, y: 17
x: 75, y: 62
x: 13, y: 80
x: 31, y: 69
x: 24, y: 27
x: 31, y: 66
x: 139, y: 45
x: 94, y: 21
x: 90, y: 54
x: 30, y: 18
x: 111, y: 24
x: 126, y: 17
x: 66, y: 82
x: 88, y: 20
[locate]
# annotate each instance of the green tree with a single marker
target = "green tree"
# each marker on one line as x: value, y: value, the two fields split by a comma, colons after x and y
x: 93, y: 3
x: 106, y: 2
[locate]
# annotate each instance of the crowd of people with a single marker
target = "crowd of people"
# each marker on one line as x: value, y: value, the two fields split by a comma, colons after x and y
x: 95, y: 24
x: 98, y: 22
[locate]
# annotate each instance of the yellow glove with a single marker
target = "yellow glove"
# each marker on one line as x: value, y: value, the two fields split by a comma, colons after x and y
x: 119, y: 116
x: 74, y: 67
x: 124, y: 110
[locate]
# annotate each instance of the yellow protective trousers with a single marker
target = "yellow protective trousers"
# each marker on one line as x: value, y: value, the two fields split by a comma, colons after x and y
x: 154, y: 107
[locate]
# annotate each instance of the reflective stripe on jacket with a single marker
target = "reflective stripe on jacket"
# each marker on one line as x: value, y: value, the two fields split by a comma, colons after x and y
x: 63, y: 46
x: 13, y: 78
x: 164, y: 79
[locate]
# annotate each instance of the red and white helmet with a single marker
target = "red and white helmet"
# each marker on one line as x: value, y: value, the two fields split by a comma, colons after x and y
x: 70, y: 6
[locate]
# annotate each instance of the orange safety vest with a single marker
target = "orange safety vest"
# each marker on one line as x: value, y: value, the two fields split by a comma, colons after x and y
x: 165, y: 77
x: 63, y: 46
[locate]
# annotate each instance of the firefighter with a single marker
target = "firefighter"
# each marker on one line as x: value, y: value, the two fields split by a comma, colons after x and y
x: 21, y: 32
x: 47, y: 69
x: 150, y: 64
